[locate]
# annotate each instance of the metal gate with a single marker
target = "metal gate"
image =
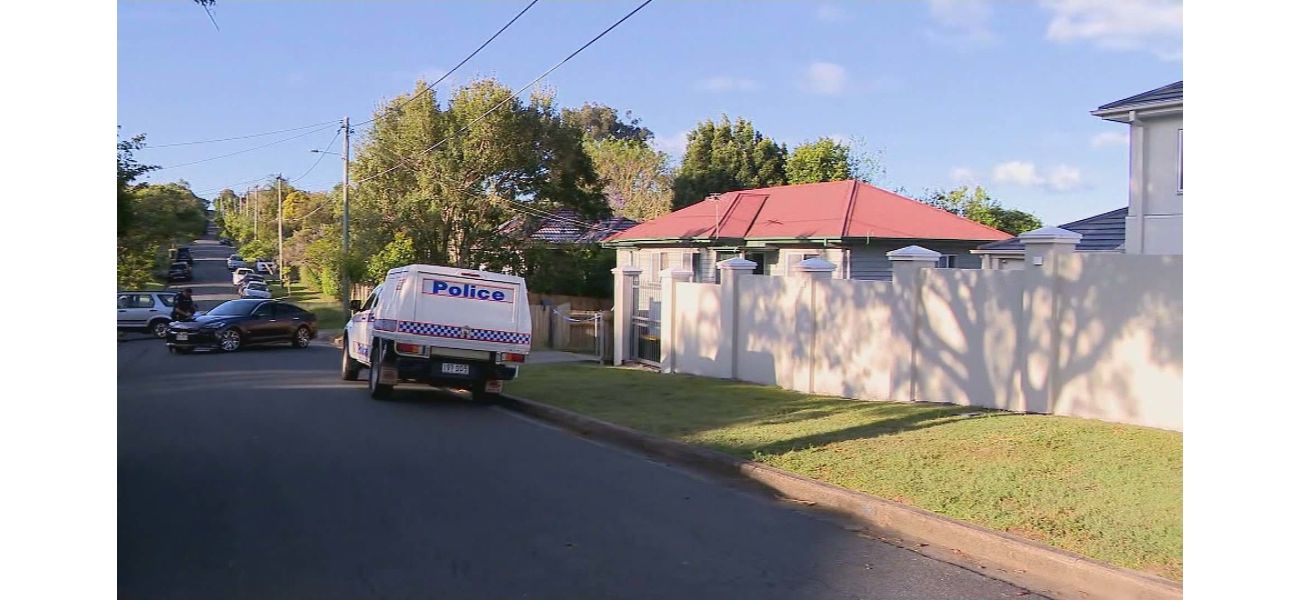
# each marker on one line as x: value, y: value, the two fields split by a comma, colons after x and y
x: 645, y: 320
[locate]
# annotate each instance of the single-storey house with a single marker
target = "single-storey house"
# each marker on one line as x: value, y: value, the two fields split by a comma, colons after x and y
x: 849, y: 223
x: 1101, y: 233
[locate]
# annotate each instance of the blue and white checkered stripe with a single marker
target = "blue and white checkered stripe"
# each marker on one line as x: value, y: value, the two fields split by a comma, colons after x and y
x: 463, y: 333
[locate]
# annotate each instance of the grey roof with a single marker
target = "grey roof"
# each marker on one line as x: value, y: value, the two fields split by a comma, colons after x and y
x: 1173, y: 91
x: 566, y: 226
x: 1101, y: 233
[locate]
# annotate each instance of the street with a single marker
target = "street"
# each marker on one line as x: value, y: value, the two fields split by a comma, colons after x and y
x: 260, y: 474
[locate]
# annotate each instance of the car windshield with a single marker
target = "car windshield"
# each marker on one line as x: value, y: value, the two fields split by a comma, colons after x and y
x: 257, y: 286
x: 235, y: 308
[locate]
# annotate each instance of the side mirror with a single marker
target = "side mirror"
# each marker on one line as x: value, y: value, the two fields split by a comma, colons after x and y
x: 354, y: 305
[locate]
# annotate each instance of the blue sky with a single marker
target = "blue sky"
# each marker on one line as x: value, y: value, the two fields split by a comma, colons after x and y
x: 948, y: 92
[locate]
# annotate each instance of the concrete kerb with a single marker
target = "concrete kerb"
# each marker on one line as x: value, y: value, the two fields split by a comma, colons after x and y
x: 1034, y: 566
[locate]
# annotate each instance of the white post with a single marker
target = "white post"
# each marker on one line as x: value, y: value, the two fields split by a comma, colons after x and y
x: 907, y: 265
x: 1041, y: 330
x: 623, y: 309
x: 729, y: 273
x: 668, y: 308
x: 815, y: 271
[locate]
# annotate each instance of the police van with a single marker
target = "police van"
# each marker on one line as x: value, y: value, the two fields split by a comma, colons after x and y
x: 441, y: 326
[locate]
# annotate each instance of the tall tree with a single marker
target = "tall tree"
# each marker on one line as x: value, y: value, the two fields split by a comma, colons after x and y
x: 637, y: 183
x: 820, y: 160
x: 727, y: 156
x: 128, y: 170
x: 978, y: 206
x: 600, y: 122
x: 450, y: 201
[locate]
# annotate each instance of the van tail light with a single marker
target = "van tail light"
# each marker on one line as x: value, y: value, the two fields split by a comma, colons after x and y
x: 513, y: 357
x: 403, y: 348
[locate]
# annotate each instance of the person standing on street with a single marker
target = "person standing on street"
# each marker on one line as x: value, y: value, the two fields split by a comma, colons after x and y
x: 184, y: 308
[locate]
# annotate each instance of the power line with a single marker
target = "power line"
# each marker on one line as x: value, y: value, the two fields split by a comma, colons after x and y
x: 240, y: 137
x: 321, y: 157
x: 458, y: 65
x: 267, y: 145
x: 515, y: 94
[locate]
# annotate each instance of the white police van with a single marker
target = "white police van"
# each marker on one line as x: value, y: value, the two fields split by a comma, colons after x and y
x: 441, y: 326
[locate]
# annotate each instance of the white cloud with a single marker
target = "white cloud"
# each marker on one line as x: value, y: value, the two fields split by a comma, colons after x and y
x: 723, y: 83
x: 831, y: 13
x: 963, y: 176
x: 1109, y: 138
x: 826, y: 78
x: 673, y: 145
x: 961, y: 22
x: 1152, y: 25
x: 1061, y: 178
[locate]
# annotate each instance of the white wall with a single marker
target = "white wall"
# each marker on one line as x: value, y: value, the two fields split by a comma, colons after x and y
x: 1155, y: 218
x: 1088, y: 335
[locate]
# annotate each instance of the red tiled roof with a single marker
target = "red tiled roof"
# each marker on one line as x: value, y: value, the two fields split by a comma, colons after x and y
x: 836, y: 209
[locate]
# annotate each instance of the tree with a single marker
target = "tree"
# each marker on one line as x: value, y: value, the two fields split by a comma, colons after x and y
x: 637, y: 184
x: 977, y: 206
x: 450, y: 201
x: 599, y: 122
x: 724, y: 157
x: 822, y: 160
x: 128, y: 170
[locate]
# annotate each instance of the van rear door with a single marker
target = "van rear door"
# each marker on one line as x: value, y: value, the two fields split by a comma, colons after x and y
x: 456, y: 299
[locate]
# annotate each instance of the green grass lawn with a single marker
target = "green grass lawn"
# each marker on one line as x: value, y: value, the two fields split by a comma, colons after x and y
x: 329, y: 313
x: 1111, y: 492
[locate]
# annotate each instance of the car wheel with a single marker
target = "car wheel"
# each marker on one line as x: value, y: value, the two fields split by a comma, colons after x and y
x: 230, y: 340
x: 302, y: 337
x: 378, y: 390
x: 479, y: 393
x: 159, y: 328
x: 351, y: 368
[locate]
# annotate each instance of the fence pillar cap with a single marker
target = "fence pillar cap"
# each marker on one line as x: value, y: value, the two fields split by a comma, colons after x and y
x: 914, y: 254
x: 737, y: 263
x: 815, y: 264
x: 1050, y: 235
x: 625, y: 271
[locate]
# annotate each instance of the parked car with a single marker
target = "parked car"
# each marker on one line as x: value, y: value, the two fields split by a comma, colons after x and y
x: 239, y: 274
x: 148, y: 312
x: 441, y: 326
x: 247, y: 279
x: 180, y: 271
x: 226, y: 242
x: 238, y: 323
x: 235, y: 261
x: 254, y: 289
x: 182, y: 254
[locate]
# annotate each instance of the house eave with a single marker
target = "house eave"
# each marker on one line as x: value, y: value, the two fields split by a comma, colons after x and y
x: 1128, y: 113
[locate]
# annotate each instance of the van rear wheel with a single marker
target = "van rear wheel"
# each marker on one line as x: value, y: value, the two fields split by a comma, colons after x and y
x: 478, y: 391
x: 378, y: 390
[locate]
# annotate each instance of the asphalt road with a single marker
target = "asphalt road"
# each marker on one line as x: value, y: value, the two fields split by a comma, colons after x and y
x: 261, y: 474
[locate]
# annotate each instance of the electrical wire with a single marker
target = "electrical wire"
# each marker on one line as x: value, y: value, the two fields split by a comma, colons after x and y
x: 240, y: 137
x: 453, y: 69
x: 515, y: 94
x: 319, y: 158
x: 267, y: 145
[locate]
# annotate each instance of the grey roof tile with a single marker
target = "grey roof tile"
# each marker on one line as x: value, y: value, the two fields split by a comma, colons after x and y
x: 1103, y: 232
x: 1173, y: 91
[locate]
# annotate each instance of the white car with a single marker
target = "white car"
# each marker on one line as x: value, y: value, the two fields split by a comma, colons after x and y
x: 255, y: 289
x: 235, y: 261
x: 264, y: 267
x: 239, y: 274
x: 441, y: 326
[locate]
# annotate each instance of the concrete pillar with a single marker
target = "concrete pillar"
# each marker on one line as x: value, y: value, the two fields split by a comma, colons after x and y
x: 668, y: 318
x: 815, y: 271
x: 729, y: 273
x: 1040, y: 336
x: 622, y: 313
x: 907, y: 265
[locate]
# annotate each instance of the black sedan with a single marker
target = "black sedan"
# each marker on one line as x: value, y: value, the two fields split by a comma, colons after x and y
x: 238, y: 323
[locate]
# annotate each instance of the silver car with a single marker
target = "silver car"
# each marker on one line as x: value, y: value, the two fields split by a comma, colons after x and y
x: 148, y: 312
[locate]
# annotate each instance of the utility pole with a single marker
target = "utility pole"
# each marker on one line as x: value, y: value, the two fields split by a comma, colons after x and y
x: 257, y: 209
x: 279, y: 225
x: 343, y: 264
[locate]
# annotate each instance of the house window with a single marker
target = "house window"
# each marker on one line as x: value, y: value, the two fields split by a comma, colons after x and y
x: 797, y: 257
x: 948, y: 261
x: 1180, y: 161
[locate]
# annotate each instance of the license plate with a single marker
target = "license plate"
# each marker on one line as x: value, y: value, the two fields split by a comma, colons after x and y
x: 455, y: 369
x: 180, y: 337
